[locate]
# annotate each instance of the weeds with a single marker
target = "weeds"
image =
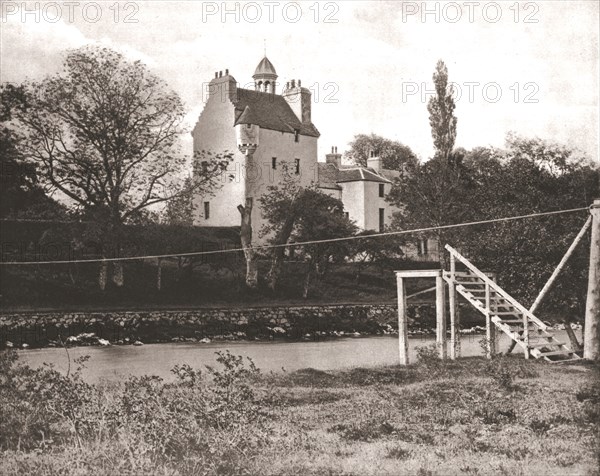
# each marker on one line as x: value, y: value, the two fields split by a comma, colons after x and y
x: 228, y: 419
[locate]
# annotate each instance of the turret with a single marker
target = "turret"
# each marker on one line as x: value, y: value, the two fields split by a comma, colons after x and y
x: 265, y: 76
x: 247, y: 133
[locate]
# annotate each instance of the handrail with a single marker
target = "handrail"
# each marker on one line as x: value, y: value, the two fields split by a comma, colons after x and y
x: 495, y: 286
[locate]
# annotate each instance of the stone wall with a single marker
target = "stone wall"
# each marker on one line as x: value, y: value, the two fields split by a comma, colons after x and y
x: 42, y: 329
x: 39, y: 329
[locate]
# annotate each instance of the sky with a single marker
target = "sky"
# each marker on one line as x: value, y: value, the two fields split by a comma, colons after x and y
x: 524, y: 67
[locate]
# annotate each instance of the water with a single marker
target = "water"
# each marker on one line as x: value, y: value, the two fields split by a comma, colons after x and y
x: 116, y: 363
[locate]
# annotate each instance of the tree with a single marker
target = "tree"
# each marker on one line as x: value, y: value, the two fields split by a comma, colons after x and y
x: 281, y: 207
x: 21, y: 195
x: 104, y: 134
x: 394, y: 154
x: 432, y: 194
x: 294, y: 213
x: 441, y: 113
x: 180, y: 209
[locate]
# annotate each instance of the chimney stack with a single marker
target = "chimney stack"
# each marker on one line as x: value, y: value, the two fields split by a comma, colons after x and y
x: 334, y: 158
x: 299, y: 99
x: 374, y: 161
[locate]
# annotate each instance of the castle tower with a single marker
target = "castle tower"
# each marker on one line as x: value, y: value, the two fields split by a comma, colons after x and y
x: 265, y: 76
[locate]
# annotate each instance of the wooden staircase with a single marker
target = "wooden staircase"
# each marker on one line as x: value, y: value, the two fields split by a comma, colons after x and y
x: 526, y: 330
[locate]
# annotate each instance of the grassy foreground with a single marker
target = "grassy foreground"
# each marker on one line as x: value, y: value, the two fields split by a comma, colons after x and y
x: 473, y: 416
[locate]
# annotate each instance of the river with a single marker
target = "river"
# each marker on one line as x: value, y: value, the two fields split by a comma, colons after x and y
x: 116, y: 363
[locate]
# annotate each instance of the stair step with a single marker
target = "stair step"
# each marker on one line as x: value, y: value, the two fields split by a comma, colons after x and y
x: 506, y: 313
x: 546, y: 344
x: 563, y: 361
x: 512, y: 321
x: 557, y: 352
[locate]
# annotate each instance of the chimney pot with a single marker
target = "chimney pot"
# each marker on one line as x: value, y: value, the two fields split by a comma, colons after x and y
x: 293, y: 83
x: 299, y: 83
x: 226, y: 72
x: 216, y: 74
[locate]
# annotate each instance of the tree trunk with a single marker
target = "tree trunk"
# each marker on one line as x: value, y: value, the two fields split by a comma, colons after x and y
x: 279, y: 253
x: 246, y: 239
x: 102, y: 275
x: 159, y: 274
x: 118, y: 276
x: 307, y: 282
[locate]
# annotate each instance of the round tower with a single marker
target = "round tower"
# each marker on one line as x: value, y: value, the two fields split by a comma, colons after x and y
x: 265, y: 76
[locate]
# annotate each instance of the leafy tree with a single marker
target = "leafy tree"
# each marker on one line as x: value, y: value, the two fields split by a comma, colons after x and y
x: 433, y: 194
x: 104, y: 134
x: 527, y: 176
x: 322, y: 219
x: 441, y: 113
x: 180, y: 209
x: 294, y: 213
x: 394, y: 154
x: 530, y: 176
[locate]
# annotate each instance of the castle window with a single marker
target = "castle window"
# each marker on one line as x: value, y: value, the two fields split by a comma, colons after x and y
x: 381, y: 190
x: 274, y: 163
x: 206, y: 210
x: 381, y: 220
x: 297, y: 161
x: 296, y: 135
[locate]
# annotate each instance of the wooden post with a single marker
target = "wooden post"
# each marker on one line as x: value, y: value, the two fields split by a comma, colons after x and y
x: 493, y: 309
x: 526, y: 334
x: 591, y: 343
x: 454, y: 314
x: 488, y: 322
x: 402, y: 322
x: 440, y: 311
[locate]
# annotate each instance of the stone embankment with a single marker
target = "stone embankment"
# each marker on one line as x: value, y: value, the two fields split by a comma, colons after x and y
x: 205, y: 325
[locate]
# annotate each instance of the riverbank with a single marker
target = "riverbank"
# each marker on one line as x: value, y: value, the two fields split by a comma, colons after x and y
x: 292, y: 323
x: 471, y: 416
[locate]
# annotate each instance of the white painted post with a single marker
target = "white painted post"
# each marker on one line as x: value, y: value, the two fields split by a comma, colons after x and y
x: 402, y: 322
x: 488, y: 323
x: 493, y: 309
x: 591, y: 343
x: 440, y: 311
x: 454, y: 314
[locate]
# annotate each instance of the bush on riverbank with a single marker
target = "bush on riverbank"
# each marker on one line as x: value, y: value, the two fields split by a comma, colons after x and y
x: 460, y: 419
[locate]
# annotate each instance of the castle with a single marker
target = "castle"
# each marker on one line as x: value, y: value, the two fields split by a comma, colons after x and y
x: 264, y: 130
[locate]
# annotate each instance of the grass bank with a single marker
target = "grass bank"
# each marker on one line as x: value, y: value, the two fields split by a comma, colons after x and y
x: 473, y: 416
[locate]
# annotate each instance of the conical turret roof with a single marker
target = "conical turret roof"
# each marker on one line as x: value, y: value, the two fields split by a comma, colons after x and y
x: 265, y: 67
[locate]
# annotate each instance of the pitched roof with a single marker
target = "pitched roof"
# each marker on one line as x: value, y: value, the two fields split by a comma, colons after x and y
x: 328, y: 176
x: 269, y: 111
x: 356, y: 174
